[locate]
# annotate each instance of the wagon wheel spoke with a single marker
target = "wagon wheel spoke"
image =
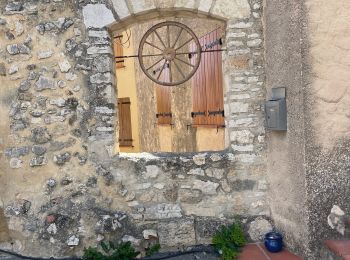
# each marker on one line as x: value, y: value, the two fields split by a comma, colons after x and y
x: 178, y: 68
x: 187, y: 42
x: 151, y: 55
x: 177, y: 38
x: 170, y: 74
x: 189, y: 64
x: 160, y: 39
x: 154, y: 64
x: 168, y: 34
x: 154, y: 46
x: 160, y: 73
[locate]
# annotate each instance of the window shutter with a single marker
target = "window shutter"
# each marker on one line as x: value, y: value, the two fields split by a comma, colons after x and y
x: 118, y: 47
x: 164, y: 100
x: 199, y: 99
x: 215, y: 98
x: 207, y: 83
x: 125, y: 133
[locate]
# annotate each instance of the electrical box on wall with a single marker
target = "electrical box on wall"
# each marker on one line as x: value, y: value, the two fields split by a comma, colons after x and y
x: 276, y: 110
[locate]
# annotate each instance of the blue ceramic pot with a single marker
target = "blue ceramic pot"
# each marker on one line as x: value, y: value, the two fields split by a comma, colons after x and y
x: 273, y: 242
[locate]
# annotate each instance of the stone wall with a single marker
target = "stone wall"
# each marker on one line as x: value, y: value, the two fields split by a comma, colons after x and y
x: 62, y: 188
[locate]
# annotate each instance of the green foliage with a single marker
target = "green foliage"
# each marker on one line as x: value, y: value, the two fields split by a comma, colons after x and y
x: 229, y: 240
x: 93, y: 254
x: 153, y: 250
x: 122, y: 251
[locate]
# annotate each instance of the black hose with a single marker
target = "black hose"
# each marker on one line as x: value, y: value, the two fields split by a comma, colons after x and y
x: 36, y: 258
x: 180, y: 254
x: 170, y: 255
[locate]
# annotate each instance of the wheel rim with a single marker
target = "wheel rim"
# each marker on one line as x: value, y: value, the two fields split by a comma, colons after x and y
x: 168, y: 61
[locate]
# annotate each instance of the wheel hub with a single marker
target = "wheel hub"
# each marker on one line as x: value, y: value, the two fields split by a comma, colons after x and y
x: 169, y: 54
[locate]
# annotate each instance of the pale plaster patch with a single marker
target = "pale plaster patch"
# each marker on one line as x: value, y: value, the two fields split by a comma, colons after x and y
x: 330, y: 58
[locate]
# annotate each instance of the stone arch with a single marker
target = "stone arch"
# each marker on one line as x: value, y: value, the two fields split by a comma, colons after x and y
x: 243, y: 62
x: 124, y: 13
x: 129, y: 12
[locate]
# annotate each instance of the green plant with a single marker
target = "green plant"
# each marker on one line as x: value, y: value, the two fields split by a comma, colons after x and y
x: 122, y: 251
x: 153, y: 250
x: 229, y: 240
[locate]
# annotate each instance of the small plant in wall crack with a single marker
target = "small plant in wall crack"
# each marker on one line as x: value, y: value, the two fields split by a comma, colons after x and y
x: 153, y: 250
x: 111, y: 251
x: 229, y: 240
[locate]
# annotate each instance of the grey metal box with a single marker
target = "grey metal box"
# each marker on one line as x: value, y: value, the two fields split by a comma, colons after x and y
x: 276, y: 114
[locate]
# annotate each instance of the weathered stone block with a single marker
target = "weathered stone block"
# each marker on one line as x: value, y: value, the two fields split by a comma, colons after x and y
x: 215, y: 173
x: 236, y: 34
x: 18, y: 207
x: 15, y: 49
x: 246, y: 158
x: 152, y: 171
x: 14, y: 6
x: 243, y: 148
x: 196, y: 171
x: 94, y: 50
x: 215, y: 157
x: 232, y: 9
x: 24, y: 86
x: 98, y: 34
x: 17, y: 151
x: 258, y: 228
x: 61, y: 159
x: 73, y: 241
x: 239, y: 107
x: 241, y: 122
x: 64, y: 66
x: 190, y: 196
x: 100, y: 78
x: 240, y: 25
x: 38, y: 161
x: 149, y: 233
x: 40, y: 135
x: 121, y: 8
x: 207, y: 187
x: 38, y: 150
x: 97, y: 16
x: 206, y: 228
x: 199, y: 159
x: 180, y: 231
x: 242, y: 137
x: 12, y: 70
x: 205, y: 5
x: 162, y: 211
x: 16, y: 163
x: 44, y: 83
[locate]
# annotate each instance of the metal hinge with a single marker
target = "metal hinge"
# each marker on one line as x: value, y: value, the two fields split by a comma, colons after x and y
x: 164, y: 115
x: 218, y: 112
x: 194, y: 114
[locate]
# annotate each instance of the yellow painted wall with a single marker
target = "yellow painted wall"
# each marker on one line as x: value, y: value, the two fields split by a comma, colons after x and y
x: 210, y: 139
x: 126, y: 85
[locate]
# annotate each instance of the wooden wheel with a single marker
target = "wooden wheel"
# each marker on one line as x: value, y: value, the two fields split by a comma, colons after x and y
x: 169, y: 53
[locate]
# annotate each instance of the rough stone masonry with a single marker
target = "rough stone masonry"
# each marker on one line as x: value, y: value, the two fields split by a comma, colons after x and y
x: 63, y: 188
